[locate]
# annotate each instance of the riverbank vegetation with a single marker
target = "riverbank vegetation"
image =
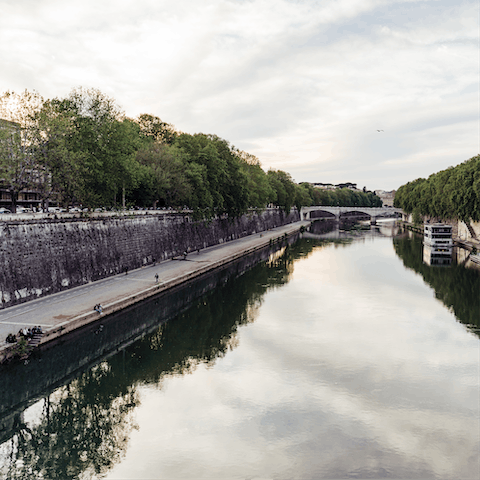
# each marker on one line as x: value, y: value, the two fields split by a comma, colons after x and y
x: 450, y: 193
x: 83, y: 150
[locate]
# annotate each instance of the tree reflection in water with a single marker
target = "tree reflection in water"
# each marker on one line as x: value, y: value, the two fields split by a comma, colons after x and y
x: 84, y: 429
x: 455, y: 286
x: 85, y: 425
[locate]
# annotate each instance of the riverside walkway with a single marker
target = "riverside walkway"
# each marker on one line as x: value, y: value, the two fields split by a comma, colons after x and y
x: 66, y: 311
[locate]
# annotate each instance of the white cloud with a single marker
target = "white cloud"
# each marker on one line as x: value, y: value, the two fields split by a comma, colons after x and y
x: 301, y: 84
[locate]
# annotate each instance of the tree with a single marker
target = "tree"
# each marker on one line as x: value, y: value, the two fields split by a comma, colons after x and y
x: 284, y: 188
x: 60, y: 166
x: 302, y: 196
x: 259, y: 190
x: 164, y: 179
x: 105, y: 141
x: 233, y: 186
x: 221, y: 174
x: 155, y: 129
x: 450, y: 193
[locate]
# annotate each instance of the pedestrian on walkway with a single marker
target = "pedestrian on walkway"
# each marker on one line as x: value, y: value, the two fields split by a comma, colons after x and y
x: 156, y: 278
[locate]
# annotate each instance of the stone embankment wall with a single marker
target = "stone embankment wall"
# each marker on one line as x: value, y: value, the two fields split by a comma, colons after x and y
x: 469, y: 232
x: 21, y: 384
x: 454, y: 223
x: 40, y: 257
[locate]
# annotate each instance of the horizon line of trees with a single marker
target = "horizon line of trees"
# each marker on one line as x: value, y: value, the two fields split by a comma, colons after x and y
x: 83, y: 150
x: 450, y: 193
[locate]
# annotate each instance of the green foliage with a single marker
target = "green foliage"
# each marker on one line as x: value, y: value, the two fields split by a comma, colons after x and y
x: 259, y: 190
x: 163, y: 179
x: 81, y: 149
x: 105, y: 143
x: 450, y: 193
x: 154, y: 130
x: 216, y: 174
x: 302, y: 196
x: 417, y: 218
x: 284, y: 189
x: 20, y: 348
x: 344, y: 197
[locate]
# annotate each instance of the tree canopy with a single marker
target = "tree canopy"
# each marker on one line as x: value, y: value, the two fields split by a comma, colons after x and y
x: 450, y: 193
x: 83, y: 150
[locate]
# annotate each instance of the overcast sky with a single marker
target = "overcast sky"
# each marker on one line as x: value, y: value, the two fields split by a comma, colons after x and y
x: 302, y: 84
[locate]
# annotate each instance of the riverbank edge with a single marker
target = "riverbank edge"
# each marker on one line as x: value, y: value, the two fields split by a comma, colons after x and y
x: 471, y: 245
x: 263, y: 240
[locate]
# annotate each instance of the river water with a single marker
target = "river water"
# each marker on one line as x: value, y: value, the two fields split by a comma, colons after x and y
x: 341, y: 356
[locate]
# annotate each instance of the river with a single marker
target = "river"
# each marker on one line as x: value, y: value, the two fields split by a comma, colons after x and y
x: 340, y: 356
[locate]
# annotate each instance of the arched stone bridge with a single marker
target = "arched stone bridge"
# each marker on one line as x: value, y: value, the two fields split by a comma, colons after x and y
x: 373, y: 212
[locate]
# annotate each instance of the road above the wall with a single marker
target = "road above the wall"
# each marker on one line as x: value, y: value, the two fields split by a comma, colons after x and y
x: 66, y: 311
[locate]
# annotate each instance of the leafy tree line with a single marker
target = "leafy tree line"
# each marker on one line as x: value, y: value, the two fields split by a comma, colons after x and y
x: 82, y: 149
x: 342, y: 197
x: 450, y: 193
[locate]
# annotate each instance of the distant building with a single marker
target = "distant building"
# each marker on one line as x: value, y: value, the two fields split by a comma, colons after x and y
x: 324, y: 186
x: 350, y: 186
x: 331, y: 186
x: 28, y: 197
x: 386, y: 197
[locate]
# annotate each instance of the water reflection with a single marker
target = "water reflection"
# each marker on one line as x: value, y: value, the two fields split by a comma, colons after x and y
x: 81, y: 429
x: 349, y: 229
x: 349, y: 371
x: 456, y: 287
x: 435, y: 256
x: 330, y: 360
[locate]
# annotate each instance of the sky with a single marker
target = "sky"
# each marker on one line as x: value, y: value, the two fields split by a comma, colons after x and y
x: 304, y: 85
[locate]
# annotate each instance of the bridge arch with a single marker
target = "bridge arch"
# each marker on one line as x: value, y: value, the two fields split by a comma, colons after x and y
x: 373, y: 212
x: 357, y: 211
x: 321, y: 214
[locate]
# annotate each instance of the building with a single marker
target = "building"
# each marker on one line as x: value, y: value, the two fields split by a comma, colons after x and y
x: 29, y: 197
x: 330, y: 186
x: 386, y: 197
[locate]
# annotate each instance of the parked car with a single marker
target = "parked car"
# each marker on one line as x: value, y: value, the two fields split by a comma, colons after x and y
x: 24, y: 210
x: 4, y: 210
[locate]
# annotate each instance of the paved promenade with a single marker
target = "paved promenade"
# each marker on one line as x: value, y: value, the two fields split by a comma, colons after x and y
x: 65, y: 311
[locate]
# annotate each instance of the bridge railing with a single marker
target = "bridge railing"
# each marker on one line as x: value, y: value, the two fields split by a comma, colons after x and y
x: 337, y: 211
